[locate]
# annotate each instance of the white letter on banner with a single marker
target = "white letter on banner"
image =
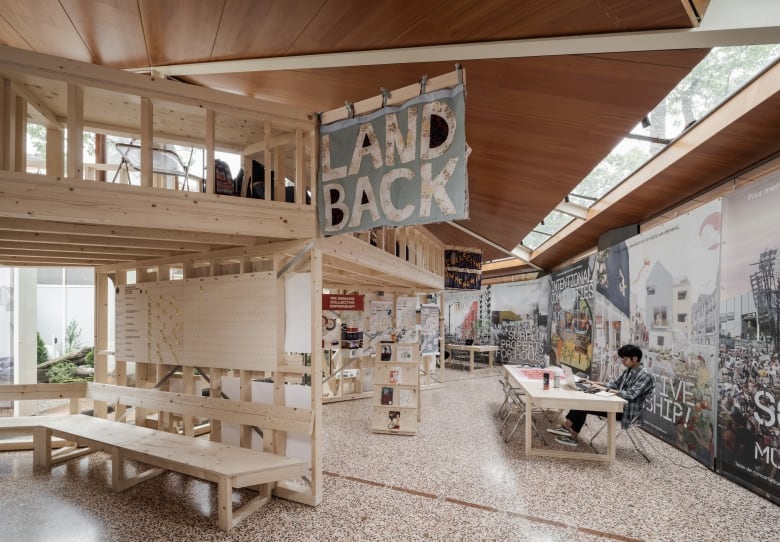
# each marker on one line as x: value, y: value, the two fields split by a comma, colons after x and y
x: 363, y: 186
x: 386, y: 199
x: 373, y: 149
x: 329, y: 174
x: 395, y: 140
x: 440, y: 109
x: 328, y: 189
x: 436, y: 189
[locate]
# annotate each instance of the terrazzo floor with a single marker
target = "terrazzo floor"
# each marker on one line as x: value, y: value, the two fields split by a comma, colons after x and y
x: 456, y: 480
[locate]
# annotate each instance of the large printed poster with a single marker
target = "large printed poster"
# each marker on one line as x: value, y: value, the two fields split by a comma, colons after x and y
x: 672, y: 277
x: 571, y: 315
x: 749, y: 383
x: 519, y: 321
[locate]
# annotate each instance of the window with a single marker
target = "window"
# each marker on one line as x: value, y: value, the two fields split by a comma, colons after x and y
x: 650, y: 290
x: 682, y: 317
x: 79, y: 276
x: 717, y: 77
x: 682, y: 294
x: 50, y: 275
x: 660, y: 340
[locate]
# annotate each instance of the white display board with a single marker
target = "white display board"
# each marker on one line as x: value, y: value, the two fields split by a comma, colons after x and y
x: 226, y: 321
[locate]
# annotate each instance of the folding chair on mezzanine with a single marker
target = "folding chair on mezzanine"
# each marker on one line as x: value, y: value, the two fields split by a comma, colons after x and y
x: 164, y: 162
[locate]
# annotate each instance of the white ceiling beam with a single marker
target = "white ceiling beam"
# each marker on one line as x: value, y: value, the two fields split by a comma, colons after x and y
x: 572, y: 209
x: 748, y: 22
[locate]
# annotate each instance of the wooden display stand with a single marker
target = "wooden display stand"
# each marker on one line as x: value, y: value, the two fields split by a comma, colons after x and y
x: 344, y: 366
x: 344, y: 375
x: 396, y: 389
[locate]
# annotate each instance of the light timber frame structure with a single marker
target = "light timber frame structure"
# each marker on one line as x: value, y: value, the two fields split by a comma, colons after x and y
x: 140, y: 234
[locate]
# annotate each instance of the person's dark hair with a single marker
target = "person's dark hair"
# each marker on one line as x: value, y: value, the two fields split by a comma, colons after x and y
x: 630, y: 351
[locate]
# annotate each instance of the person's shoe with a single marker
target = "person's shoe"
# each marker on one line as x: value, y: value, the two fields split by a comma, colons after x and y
x: 560, y: 430
x: 566, y: 441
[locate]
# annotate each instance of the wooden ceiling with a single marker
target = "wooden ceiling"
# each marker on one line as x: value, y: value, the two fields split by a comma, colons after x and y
x: 537, y: 125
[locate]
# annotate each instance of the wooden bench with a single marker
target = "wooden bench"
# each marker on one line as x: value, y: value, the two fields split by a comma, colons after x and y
x: 230, y: 467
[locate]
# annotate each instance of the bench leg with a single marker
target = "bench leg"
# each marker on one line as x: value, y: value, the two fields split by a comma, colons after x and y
x: 41, y: 449
x: 118, y: 475
x: 227, y: 518
x: 119, y: 479
x: 225, y: 504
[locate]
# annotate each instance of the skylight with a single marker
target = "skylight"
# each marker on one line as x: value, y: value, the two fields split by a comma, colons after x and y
x: 717, y: 77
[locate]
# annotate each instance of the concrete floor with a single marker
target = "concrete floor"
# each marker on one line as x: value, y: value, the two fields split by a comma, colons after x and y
x: 455, y: 480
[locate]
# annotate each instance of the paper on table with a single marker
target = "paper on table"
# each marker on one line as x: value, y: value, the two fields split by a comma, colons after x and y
x: 603, y: 394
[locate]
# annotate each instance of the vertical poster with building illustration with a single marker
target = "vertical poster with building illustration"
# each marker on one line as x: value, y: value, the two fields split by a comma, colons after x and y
x: 749, y: 382
x: 571, y: 318
x: 461, y: 316
x: 519, y: 321
x: 673, y: 271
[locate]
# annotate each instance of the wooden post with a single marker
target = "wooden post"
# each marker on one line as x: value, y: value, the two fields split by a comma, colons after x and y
x: 6, y: 117
x: 314, y: 166
x: 316, y: 373
x: 20, y: 135
x: 147, y: 141
x: 210, y: 142
x: 268, y: 159
x: 101, y: 338
x: 75, y: 132
x: 100, y: 156
x: 300, y: 166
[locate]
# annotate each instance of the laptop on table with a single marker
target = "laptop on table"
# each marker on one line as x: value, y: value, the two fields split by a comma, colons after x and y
x: 574, y: 382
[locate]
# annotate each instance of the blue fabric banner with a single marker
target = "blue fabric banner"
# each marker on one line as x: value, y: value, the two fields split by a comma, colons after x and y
x: 397, y: 166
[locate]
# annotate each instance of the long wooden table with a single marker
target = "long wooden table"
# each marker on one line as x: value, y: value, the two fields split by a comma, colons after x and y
x: 564, y: 398
x: 471, y: 348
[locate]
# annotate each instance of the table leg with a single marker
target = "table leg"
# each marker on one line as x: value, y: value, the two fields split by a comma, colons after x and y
x: 471, y: 360
x: 528, y: 425
x: 611, y: 416
x: 490, y: 359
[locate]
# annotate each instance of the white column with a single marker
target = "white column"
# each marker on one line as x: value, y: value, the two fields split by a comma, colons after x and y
x: 25, y: 338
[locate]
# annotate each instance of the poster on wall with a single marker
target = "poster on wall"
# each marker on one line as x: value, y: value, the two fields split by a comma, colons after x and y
x: 749, y: 379
x: 461, y: 316
x: 397, y: 166
x: 429, y: 320
x: 519, y: 321
x: 571, y: 318
x: 463, y: 269
x: 673, y: 281
x: 406, y: 320
x: 381, y: 317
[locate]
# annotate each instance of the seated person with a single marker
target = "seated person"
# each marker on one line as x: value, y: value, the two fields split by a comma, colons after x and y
x: 633, y: 385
